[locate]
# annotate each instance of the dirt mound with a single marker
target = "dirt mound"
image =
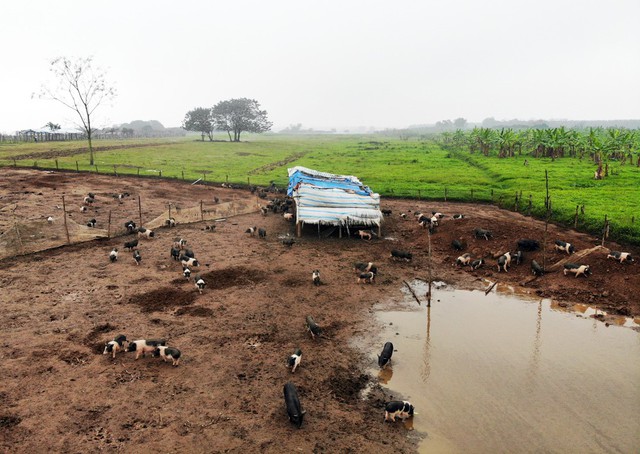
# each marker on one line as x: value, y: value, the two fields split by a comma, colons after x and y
x: 9, y: 421
x: 163, y: 298
x: 233, y: 277
x: 195, y: 311
x: 345, y: 385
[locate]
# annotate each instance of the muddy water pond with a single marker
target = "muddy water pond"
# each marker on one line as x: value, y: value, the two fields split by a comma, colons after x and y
x: 502, y: 373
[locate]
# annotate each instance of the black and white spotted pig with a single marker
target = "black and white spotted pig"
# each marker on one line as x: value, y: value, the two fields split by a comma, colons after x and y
x: 137, y: 257
x: 130, y: 226
x: 463, y: 260
x: 458, y: 216
x: 294, y: 360
x: 384, y: 358
x: 167, y: 353
x: 620, y: 256
x: 251, y: 231
x: 477, y: 264
x: 367, y: 278
x: 315, y: 277
x: 186, y: 272
x: 292, y: 403
x: 360, y: 267
x: 396, y: 254
x: 143, y: 346
x: 188, y: 261
x: 145, y: 233
x: 565, y: 247
x: 398, y: 409
x: 504, y: 261
x: 200, y: 284
x: 91, y: 223
x: 119, y: 343
x: 113, y: 255
x: 576, y: 269
x: 171, y: 222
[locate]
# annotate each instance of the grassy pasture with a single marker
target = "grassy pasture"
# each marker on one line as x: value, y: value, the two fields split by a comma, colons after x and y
x: 391, y: 167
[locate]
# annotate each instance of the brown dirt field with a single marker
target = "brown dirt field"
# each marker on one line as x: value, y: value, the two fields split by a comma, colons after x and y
x: 59, y: 307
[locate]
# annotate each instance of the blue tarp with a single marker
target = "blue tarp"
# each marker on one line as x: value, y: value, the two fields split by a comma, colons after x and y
x: 324, y: 180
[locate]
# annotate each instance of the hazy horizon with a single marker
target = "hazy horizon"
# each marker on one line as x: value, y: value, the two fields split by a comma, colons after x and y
x: 332, y: 65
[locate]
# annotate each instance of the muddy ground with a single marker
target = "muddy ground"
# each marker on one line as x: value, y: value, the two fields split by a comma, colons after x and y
x: 59, y: 307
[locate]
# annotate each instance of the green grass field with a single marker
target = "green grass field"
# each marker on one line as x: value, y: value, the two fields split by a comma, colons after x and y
x: 418, y: 168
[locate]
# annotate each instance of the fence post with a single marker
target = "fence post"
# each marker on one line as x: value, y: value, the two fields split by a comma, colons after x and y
x: 492, y: 195
x: 77, y: 167
x: 472, y: 194
x: 96, y: 166
x: 160, y: 171
x: 530, y: 204
x: 419, y: 194
x: 15, y: 164
x: 64, y: 215
x: 248, y: 182
x: 605, y: 230
x: 57, y: 168
x: 114, y: 170
x: 575, y: 219
x: 201, y: 212
x: 138, y: 171
x: 140, y: 211
x: 109, y: 226
x: 445, y: 193
x: 35, y: 164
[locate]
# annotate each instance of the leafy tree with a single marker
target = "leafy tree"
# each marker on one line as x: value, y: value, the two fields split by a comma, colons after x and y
x: 53, y: 126
x: 240, y: 115
x: 199, y: 120
x: 82, y: 88
x: 460, y: 123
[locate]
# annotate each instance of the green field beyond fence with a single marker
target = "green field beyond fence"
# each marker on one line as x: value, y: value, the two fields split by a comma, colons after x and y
x: 392, y: 167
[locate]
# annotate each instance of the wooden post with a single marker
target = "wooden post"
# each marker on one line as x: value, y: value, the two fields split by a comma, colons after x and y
x: 15, y: 164
x: 575, y: 218
x: 140, y: 211
x: 530, y: 205
x: 35, y: 164
x: 419, y: 194
x: 491, y: 195
x: 605, y: 230
x: 115, y: 172
x: 248, y: 182
x: 429, y: 262
x: 169, y: 211
x: 138, y: 171
x: 201, y: 212
x: 160, y: 172
x: 57, y: 168
x: 96, y: 168
x: 299, y: 229
x: 64, y: 215
x: 227, y: 178
x: 109, y: 225
x: 445, y: 193
x: 547, y: 205
x: 77, y: 167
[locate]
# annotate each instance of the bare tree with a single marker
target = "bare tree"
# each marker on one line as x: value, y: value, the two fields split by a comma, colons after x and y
x: 80, y: 87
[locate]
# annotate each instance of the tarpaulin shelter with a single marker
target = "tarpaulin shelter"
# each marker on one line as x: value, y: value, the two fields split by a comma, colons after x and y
x: 328, y: 199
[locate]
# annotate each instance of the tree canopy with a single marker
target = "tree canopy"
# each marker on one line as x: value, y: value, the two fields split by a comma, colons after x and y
x: 240, y: 115
x: 199, y: 120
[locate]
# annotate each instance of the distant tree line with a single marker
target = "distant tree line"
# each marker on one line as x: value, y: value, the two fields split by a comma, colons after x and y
x: 233, y: 116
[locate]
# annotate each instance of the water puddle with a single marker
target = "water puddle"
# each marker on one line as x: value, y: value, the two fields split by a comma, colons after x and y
x: 501, y: 373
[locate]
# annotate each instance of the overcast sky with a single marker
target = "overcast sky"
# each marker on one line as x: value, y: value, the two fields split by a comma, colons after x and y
x: 331, y: 64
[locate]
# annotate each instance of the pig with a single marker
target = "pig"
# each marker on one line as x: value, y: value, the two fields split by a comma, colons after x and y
x: 189, y: 254
x: 367, y: 278
x: 577, y: 269
x: 262, y: 233
x: 146, y: 233
x: 179, y: 243
x: 130, y: 244
x: 167, y: 353
x: 526, y: 244
x: 288, y: 216
x: 91, y: 223
x: 315, y: 277
x: 482, y: 233
x: 171, y: 222
x: 130, y: 226
x: 384, y: 358
x: 251, y: 231
x: 504, y: 261
x: 83, y: 209
x: 113, y: 255
x: 188, y: 261
x: 288, y: 242
x: 292, y: 403
x: 386, y: 212
x: 396, y: 254
x: 536, y: 269
x: 360, y: 267
x: 117, y: 344
x: 398, y: 409
x: 200, y: 284
x: 364, y: 235
x: 175, y: 253
x: 89, y: 200
x: 143, y: 346
x: 424, y: 221
x: 457, y: 245
x: 463, y: 260
x: 437, y: 215
x: 186, y: 272
x: 518, y: 257
x: 313, y: 327
x: 50, y: 219
x: 620, y: 256
x: 264, y: 211
x: 137, y: 257
x: 458, y: 216
x: 403, y: 216
x: 565, y: 247
x: 477, y: 264
x: 294, y: 360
